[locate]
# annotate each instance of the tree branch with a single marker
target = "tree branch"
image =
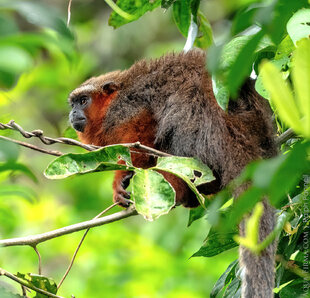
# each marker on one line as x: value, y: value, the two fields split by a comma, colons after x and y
x: 285, y: 136
x: 36, y: 239
x: 50, y: 141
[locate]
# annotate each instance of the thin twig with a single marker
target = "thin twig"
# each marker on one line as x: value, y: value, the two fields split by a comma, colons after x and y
x: 39, y: 258
x: 285, y: 136
x: 80, y: 244
x: 25, y: 284
x: 36, y: 239
x: 33, y: 147
x: 69, y: 13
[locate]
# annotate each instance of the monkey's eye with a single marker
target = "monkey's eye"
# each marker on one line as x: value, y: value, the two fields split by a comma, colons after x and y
x: 83, y: 100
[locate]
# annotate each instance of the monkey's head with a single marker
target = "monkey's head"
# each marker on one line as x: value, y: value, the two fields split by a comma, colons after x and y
x: 89, y: 103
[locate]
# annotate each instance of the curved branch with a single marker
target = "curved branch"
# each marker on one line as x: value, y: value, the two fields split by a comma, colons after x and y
x: 35, y: 239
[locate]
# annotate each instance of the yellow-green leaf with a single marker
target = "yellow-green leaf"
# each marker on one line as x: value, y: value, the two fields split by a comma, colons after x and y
x: 281, y: 95
x: 301, y: 80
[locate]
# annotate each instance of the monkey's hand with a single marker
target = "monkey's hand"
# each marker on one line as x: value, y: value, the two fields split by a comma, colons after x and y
x: 120, y: 183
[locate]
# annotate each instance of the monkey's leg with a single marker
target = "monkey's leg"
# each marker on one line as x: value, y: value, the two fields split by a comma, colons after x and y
x: 120, y: 183
x: 258, y: 270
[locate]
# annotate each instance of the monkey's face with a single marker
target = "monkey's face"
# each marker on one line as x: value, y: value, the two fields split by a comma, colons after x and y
x: 89, y: 104
x: 77, y: 117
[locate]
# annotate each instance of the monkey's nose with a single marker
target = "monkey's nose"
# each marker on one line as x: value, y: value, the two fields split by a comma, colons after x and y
x: 79, y: 125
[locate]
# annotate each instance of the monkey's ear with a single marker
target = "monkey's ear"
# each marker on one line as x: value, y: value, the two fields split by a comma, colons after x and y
x: 109, y: 87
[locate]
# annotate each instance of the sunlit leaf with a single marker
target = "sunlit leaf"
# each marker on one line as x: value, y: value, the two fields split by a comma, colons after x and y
x: 301, y: 80
x: 39, y: 281
x: 105, y: 159
x: 152, y: 194
x: 281, y: 95
x: 298, y: 26
x: 251, y: 238
x: 13, y: 61
x: 205, y: 35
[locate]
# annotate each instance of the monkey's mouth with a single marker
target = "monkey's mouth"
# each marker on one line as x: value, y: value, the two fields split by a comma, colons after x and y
x: 79, y: 125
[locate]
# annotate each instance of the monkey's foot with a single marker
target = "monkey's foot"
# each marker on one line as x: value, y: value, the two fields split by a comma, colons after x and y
x: 122, y: 198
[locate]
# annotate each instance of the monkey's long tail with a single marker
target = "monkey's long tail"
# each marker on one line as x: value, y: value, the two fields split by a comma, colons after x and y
x: 258, y: 270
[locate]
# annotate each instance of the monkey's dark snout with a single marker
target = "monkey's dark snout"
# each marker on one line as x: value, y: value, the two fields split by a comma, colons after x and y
x: 78, y: 120
x: 79, y: 125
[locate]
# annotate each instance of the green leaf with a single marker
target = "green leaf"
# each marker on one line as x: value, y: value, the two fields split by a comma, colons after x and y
x: 296, y: 163
x: 135, y: 8
x: 182, y: 15
x: 242, y: 66
x: 285, y: 48
x: 191, y: 170
x: 13, y: 61
x: 39, y: 281
x: 221, y: 92
x: 195, y: 214
x: 70, y: 133
x: 293, y: 289
x: 105, y: 159
x: 167, y: 3
x: 187, y: 167
x: 14, y: 166
x: 281, y: 95
x: 251, y: 239
x: 281, y: 13
x: 8, y: 151
x: 301, y: 80
x: 233, y: 289
x: 298, y: 26
x: 245, y: 203
x: 40, y: 15
x: 205, y: 35
x: 152, y: 194
x: 18, y: 191
x: 4, y: 293
x: 216, y: 243
x: 224, y: 279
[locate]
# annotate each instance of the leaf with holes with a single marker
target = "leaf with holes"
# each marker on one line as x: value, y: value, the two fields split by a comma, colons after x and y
x: 193, y: 171
x: 152, y: 194
x: 298, y: 26
x: 105, y: 159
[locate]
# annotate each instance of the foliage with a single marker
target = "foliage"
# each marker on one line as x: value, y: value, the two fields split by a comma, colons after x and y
x: 45, y: 50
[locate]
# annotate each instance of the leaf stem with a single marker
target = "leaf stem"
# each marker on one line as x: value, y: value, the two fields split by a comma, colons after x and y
x: 119, y: 11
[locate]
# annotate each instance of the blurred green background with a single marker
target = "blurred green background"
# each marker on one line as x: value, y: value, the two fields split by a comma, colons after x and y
x: 131, y: 258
